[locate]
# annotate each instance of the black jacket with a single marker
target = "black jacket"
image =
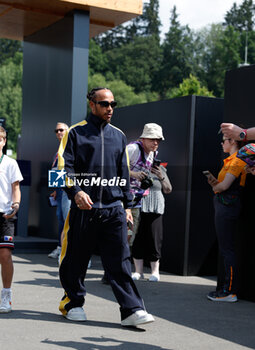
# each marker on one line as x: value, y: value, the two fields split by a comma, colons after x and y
x: 93, y: 153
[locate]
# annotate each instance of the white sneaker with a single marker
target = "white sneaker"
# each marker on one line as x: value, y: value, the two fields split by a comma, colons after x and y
x: 137, y: 276
x: 55, y: 253
x: 76, y: 314
x: 139, y: 317
x: 154, y: 278
x: 6, y: 304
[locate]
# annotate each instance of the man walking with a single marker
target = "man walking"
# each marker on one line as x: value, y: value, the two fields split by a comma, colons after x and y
x: 93, y: 153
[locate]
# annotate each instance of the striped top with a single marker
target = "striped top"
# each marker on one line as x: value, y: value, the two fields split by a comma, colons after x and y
x: 154, y: 202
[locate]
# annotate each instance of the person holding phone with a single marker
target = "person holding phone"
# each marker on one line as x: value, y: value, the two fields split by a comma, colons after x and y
x: 227, y: 204
x: 148, y: 240
x: 10, y: 196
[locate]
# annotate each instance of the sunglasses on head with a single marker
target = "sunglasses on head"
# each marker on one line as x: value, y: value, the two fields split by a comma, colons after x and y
x: 57, y: 130
x: 113, y: 104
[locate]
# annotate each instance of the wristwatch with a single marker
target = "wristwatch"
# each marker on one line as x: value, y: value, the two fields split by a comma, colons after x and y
x: 243, y: 135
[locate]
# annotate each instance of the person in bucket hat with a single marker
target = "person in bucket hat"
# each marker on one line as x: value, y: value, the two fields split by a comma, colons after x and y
x: 146, y: 174
x: 152, y: 131
x: 141, y: 154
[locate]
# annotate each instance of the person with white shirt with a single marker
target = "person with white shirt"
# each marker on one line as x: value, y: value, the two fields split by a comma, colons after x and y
x: 10, y: 196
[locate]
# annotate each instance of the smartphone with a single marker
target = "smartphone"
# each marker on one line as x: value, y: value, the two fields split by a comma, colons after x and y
x: 9, y: 212
x: 209, y: 175
x: 156, y: 162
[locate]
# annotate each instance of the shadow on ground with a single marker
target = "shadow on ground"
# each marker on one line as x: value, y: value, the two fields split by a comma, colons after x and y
x: 181, y: 303
x: 89, y: 343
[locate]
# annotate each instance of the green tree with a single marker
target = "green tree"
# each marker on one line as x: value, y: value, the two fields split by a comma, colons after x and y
x: 177, y: 55
x: 8, y: 48
x: 220, y: 53
x: 241, y: 17
x: 149, y: 23
x: 137, y: 63
x: 123, y: 94
x: 97, y: 59
x: 111, y: 39
x: 11, y: 97
x: 190, y: 86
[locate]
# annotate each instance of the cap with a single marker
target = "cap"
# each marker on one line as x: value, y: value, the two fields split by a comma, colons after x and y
x: 247, y: 154
x: 152, y: 131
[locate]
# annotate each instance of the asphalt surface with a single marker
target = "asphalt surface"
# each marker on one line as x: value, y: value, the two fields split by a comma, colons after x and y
x: 184, y: 318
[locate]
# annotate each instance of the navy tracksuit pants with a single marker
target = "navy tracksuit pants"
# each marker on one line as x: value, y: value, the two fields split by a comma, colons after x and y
x: 107, y: 229
x: 226, y: 219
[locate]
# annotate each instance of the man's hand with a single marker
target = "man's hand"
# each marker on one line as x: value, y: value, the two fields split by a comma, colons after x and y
x: 231, y: 131
x: 83, y: 200
x: 250, y: 169
x: 15, y: 208
x: 212, y: 181
x: 54, y: 195
x: 129, y: 216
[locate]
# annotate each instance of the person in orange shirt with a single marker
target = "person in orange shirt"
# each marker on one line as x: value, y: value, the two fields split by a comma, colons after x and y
x: 227, y: 204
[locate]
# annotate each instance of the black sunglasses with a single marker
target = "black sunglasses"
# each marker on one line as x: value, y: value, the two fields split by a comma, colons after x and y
x: 225, y: 140
x: 113, y: 104
x: 57, y: 130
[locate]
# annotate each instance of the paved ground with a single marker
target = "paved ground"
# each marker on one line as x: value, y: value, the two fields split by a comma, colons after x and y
x: 185, y: 319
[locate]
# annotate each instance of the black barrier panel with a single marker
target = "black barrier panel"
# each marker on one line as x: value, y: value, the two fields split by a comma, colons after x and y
x: 207, y: 155
x: 239, y: 109
x: 55, y: 71
x: 22, y: 222
x: 25, y: 168
x: 190, y: 125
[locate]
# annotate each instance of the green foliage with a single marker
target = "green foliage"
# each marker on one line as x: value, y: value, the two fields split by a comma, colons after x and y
x: 177, y: 51
x: 138, y: 68
x: 150, y: 18
x: 11, y: 97
x: 112, y: 39
x: 123, y: 94
x: 137, y: 63
x: 220, y: 53
x: 134, y: 54
x: 148, y: 24
x: 189, y: 86
x: 8, y: 48
x: 97, y: 60
x: 241, y: 17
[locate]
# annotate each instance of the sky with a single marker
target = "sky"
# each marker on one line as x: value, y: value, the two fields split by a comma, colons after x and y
x: 195, y: 13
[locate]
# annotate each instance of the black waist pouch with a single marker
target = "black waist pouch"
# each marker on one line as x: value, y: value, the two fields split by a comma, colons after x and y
x: 228, y: 198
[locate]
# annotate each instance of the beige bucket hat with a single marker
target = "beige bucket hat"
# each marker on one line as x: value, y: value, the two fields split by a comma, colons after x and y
x: 152, y: 131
